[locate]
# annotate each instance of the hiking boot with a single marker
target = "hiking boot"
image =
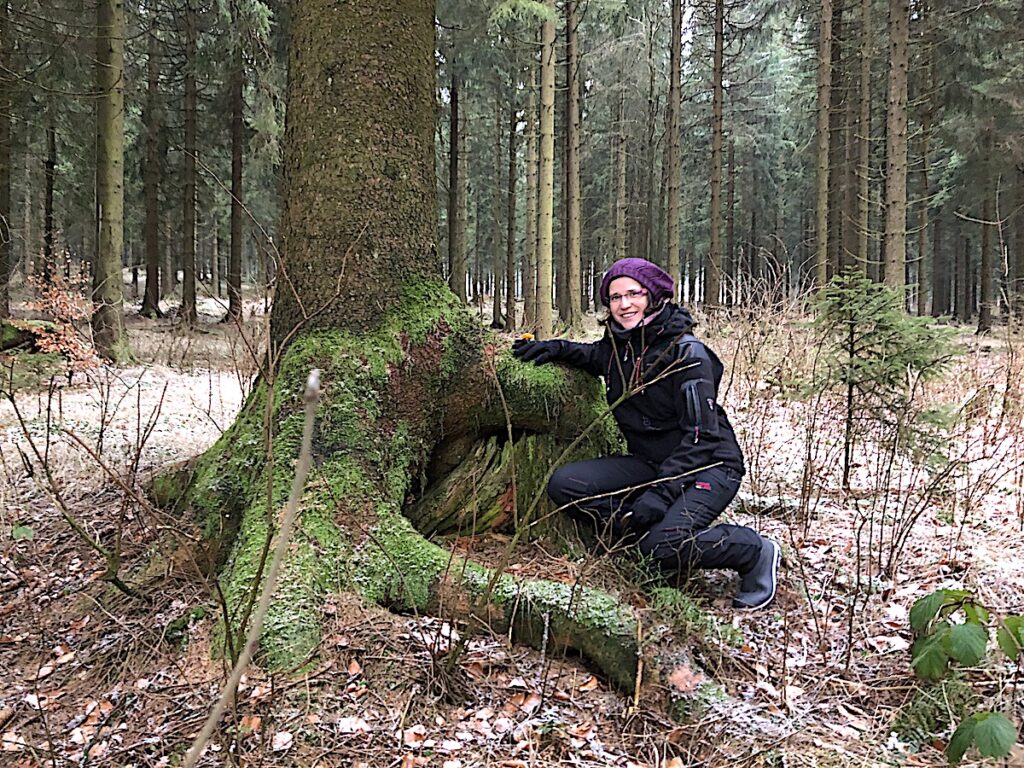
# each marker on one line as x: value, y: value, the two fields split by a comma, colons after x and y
x: 759, y: 584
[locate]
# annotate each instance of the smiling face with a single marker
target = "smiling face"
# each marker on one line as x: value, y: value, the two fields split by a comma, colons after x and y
x: 627, y: 300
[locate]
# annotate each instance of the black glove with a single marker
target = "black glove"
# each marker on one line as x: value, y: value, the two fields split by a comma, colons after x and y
x: 648, y: 510
x: 539, y: 352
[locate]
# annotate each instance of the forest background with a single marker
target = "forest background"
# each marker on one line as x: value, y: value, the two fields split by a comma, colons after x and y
x: 756, y: 150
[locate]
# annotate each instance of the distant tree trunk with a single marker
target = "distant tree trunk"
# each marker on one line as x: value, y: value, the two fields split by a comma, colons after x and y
x: 5, y: 165
x: 108, y: 318
x: 673, y: 160
x: 497, y: 255
x: 941, y: 276
x: 822, y: 179
x: 510, y: 218
x: 963, y: 292
x: 986, y: 278
x: 457, y: 264
x: 1018, y: 253
x: 49, y: 171
x: 237, y: 191
x: 151, y: 179
x: 733, y: 278
x: 713, y: 275
x: 835, y: 118
x: 649, y: 185
x: 546, y: 183
x: 573, y: 258
x: 530, y: 256
x: 30, y: 263
x: 896, y: 146
x: 619, y: 202
x: 188, y: 257
x: 924, y: 272
x: 864, y: 139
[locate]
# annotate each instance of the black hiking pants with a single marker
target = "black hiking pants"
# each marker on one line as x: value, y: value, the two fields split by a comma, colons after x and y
x: 595, y: 491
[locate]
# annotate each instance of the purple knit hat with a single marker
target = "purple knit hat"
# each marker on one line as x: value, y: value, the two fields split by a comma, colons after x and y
x: 657, y: 281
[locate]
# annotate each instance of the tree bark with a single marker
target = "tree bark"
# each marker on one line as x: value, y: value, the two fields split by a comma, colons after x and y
x: 108, y: 329
x: 986, y: 279
x: 237, y: 191
x: 497, y: 255
x: 546, y: 178
x: 896, y: 146
x: 619, y: 202
x: 731, y: 271
x: 530, y: 259
x: 5, y: 165
x: 573, y: 277
x: 457, y: 265
x: 49, y: 172
x: 864, y: 139
x: 151, y: 178
x: 188, y: 258
x: 510, y: 219
x: 822, y: 178
x: 673, y: 159
x: 925, y: 273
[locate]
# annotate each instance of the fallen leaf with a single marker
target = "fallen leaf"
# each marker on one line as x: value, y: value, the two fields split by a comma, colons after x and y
x: 259, y: 692
x: 252, y: 723
x: 12, y: 742
x: 589, y: 684
x: 98, y: 750
x: 675, y: 762
x: 685, y: 680
x: 354, y: 668
x: 452, y: 764
x: 414, y: 737
x: 353, y: 725
x: 282, y: 741
x: 450, y: 745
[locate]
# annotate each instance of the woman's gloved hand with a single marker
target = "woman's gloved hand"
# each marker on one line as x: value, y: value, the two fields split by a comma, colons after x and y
x: 539, y: 352
x: 648, y: 510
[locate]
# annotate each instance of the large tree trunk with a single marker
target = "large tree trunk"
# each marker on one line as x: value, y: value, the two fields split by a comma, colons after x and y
x: 673, y: 160
x: 188, y: 259
x: 108, y: 330
x: 546, y: 179
x: 896, y: 146
x: 497, y: 255
x: 151, y: 179
x: 821, y: 180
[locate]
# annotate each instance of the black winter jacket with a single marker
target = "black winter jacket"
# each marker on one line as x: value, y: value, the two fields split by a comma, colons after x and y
x: 670, y: 415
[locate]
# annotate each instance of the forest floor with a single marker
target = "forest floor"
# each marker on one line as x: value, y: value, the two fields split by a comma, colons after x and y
x: 822, y: 678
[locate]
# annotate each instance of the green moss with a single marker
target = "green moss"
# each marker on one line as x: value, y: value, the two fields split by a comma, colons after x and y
x: 690, y: 619
x: 691, y: 707
x: 933, y: 710
x: 29, y: 370
x: 397, y: 567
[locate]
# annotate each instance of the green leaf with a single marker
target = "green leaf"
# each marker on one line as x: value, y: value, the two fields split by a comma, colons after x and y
x: 967, y: 643
x: 1009, y: 642
x: 994, y: 735
x: 924, y: 610
x: 962, y: 738
x: 23, y: 533
x: 929, y: 657
x: 976, y: 613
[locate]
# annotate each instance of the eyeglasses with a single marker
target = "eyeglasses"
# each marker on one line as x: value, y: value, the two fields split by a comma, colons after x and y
x: 634, y: 295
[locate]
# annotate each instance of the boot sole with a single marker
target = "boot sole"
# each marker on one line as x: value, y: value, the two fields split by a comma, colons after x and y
x: 776, y: 560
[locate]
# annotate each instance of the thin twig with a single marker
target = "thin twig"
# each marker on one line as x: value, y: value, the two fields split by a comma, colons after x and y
x: 312, y: 397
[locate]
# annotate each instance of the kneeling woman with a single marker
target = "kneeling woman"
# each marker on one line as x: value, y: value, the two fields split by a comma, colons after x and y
x: 684, y: 464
